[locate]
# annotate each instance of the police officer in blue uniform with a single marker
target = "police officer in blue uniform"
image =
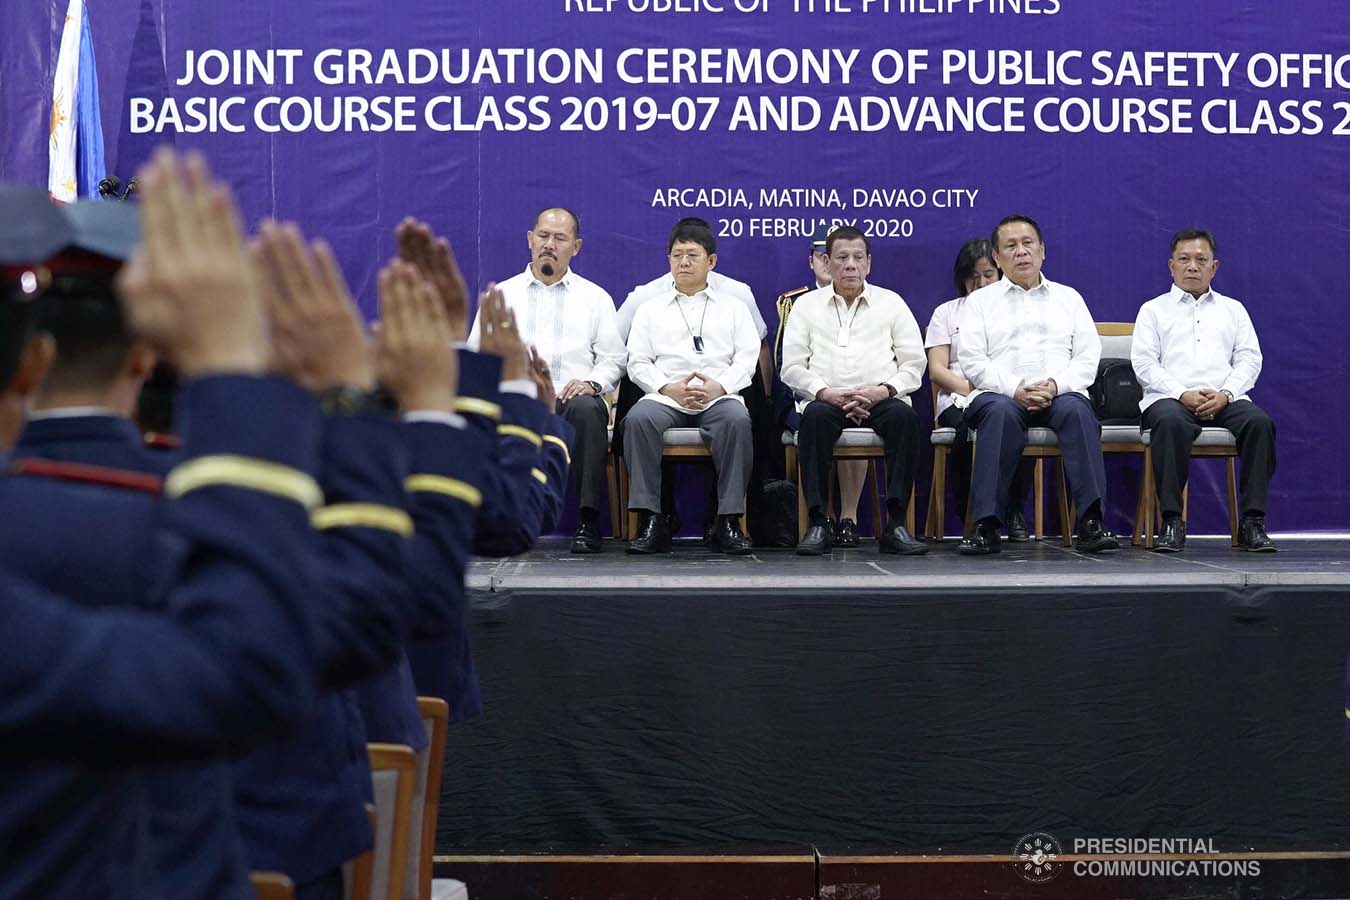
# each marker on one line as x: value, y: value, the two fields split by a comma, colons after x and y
x: 229, y: 656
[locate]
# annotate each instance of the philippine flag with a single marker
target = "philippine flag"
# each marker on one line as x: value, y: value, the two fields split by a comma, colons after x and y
x: 75, y: 162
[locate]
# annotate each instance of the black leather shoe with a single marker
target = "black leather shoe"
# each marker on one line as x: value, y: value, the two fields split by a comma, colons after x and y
x: 653, y: 535
x: 587, y: 538
x: 1017, y: 527
x: 1252, y: 536
x: 1094, y: 538
x: 816, y: 542
x: 729, y: 539
x: 846, y: 533
x: 983, y: 540
x: 897, y: 539
x: 1171, y: 537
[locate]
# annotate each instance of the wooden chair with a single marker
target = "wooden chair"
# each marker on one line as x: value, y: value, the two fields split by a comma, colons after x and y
x: 393, y: 773
x: 272, y: 886
x: 430, y: 768
x: 357, y: 873
x: 681, y: 445
x: 1043, y: 444
x: 853, y: 444
x: 1213, y: 443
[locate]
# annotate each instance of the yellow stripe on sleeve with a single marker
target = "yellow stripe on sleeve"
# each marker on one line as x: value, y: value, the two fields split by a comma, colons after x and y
x: 451, y: 487
x: 363, y: 515
x: 520, y: 432
x: 554, y: 439
x: 539, y: 476
x: 227, y: 470
x: 478, y: 407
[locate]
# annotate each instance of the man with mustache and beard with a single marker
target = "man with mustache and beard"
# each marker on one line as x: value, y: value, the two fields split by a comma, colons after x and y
x: 570, y: 323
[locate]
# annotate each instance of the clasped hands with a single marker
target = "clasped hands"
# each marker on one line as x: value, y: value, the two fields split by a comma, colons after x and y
x: 1205, y: 403
x: 691, y: 395
x: 856, y: 402
x: 1038, y: 396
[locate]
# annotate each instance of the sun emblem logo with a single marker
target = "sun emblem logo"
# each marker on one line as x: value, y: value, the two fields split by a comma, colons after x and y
x: 1037, y: 857
x: 59, y: 116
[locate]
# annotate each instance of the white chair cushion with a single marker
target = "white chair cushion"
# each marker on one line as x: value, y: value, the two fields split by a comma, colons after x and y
x: 385, y: 785
x: 1120, y: 434
x: 1036, y: 437
x: 1209, y: 437
x: 682, y: 437
x: 943, y: 437
x: 851, y: 437
x: 1116, y: 346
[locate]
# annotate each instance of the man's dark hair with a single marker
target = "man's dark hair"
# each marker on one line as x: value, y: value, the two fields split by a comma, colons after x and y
x: 155, y: 406
x: 82, y: 315
x: 694, y: 231
x: 847, y: 233
x: 576, y: 219
x: 1013, y: 219
x: 1195, y: 234
x: 971, y: 253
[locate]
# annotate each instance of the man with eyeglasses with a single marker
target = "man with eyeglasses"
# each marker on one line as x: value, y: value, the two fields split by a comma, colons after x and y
x: 569, y: 320
x: 691, y: 351
x: 1196, y: 356
x: 1030, y: 349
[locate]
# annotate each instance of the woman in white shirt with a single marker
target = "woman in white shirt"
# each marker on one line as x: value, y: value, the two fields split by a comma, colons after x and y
x: 975, y: 268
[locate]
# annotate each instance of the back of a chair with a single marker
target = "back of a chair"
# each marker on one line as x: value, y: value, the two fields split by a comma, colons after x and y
x: 357, y: 873
x: 1116, y: 339
x: 436, y: 720
x: 393, y: 772
x: 272, y: 886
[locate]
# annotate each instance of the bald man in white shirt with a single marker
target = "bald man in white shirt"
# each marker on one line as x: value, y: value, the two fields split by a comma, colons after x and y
x: 1030, y: 349
x: 1196, y: 356
x: 570, y: 321
x: 852, y: 354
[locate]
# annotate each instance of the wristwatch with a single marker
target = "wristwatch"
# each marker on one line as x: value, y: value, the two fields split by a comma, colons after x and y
x: 345, y: 400
x: 1227, y: 393
x: 890, y: 390
x: 595, y: 386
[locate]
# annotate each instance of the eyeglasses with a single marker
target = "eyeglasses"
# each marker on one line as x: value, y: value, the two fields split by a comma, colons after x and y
x: 692, y: 257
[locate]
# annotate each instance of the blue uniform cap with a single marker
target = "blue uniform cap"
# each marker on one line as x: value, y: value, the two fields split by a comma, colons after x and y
x: 104, y: 228
x: 32, y: 227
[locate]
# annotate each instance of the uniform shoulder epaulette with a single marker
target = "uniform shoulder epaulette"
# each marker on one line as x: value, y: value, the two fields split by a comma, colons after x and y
x: 82, y: 473
x: 794, y: 294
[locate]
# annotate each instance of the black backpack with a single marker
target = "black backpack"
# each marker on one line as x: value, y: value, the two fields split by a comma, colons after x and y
x: 1116, y: 392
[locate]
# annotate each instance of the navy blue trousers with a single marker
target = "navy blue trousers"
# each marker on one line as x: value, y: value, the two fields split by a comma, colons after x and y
x: 1002, y: 425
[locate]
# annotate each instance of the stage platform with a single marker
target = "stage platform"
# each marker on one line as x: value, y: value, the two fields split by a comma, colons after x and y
x: 859, y: 726
x: 1301, y: 560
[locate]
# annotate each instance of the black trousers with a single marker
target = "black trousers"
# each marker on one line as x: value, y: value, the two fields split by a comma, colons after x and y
x: 589, y: 418
x: 959, y: 464
x: 1174, y: 428
x: 1002, y: 424
x: 893, y: 420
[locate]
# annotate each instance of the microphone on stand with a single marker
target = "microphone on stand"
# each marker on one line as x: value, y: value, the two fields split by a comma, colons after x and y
x: 109, y: 186
x: 131, y: 189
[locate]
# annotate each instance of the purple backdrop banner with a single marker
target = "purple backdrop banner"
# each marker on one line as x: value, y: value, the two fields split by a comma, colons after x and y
x: 923, y: 120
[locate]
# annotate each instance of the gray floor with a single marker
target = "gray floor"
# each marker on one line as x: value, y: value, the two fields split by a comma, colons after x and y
x: 692, y: 567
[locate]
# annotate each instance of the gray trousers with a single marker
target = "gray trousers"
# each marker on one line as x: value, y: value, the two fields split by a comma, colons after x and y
x: 725, y: 427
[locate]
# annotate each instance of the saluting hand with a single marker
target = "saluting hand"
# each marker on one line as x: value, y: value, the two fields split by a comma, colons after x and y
x: 318, y: 338
x: 190, y: 290
x: 543, y: 379
x: 415, y: 359
x: 435, y: 261
x: 500, y: 336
